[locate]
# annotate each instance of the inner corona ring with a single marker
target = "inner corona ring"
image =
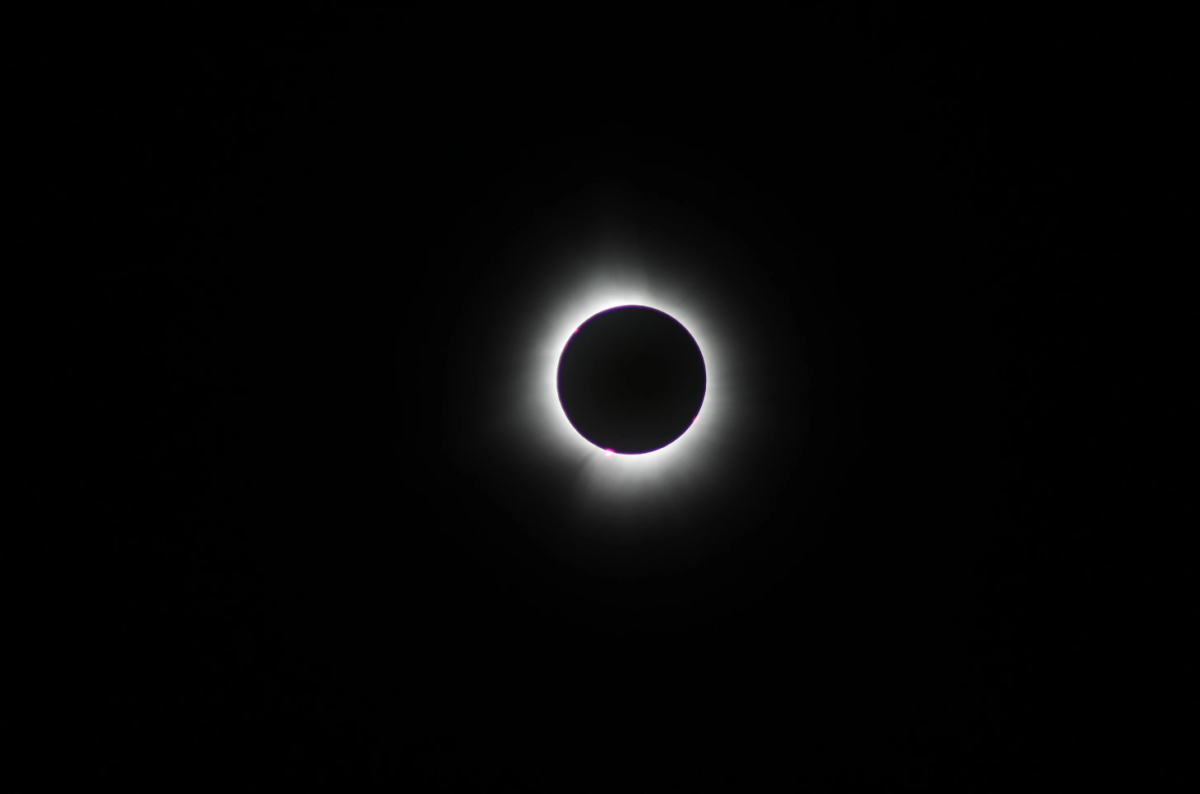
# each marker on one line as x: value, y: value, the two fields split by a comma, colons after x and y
x: 631, y: 380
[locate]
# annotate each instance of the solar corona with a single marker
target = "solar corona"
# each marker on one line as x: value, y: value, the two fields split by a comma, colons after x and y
x: 623, y: 388
x: 615, y: 378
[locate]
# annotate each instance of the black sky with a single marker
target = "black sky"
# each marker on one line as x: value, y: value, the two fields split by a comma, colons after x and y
x: 286, y: 566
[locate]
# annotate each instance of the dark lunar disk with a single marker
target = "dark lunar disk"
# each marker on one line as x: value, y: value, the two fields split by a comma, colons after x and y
x: 631, y: 379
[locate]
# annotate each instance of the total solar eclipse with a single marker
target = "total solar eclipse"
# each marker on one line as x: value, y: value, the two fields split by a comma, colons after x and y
x: 631, y: 380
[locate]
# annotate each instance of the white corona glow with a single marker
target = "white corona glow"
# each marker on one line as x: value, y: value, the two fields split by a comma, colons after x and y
x: 536, y: 295
x: 618, y: 485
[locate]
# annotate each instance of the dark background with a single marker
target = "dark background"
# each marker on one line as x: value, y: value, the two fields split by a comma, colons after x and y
x: 260, y: 536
